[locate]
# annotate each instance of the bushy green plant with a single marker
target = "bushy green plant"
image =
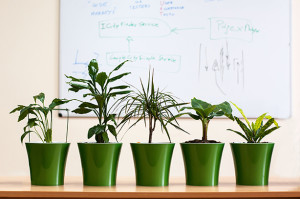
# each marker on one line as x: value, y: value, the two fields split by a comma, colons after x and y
x: 205, y: 112
x: 254, y: 132
x: 98, y: 88
x: 38, y: 120
x: 150, y: 104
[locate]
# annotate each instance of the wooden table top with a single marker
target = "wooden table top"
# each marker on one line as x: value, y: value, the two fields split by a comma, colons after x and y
x: 19, y: 187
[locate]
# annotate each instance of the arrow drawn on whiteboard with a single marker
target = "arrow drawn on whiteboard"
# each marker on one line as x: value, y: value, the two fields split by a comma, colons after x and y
x: 175, y: 30
x: 129, y: 39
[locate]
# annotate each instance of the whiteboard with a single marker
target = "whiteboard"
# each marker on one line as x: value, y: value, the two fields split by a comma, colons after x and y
x: 214, y: 50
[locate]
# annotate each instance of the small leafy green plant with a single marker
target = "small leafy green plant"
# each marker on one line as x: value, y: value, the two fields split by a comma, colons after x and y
x: 150, y: 104
x: 254, y: 132
x: 98, y: 88
x: 39, y: 117
x: 205, y: 112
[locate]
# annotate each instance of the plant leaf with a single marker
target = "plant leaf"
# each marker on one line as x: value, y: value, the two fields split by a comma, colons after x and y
x: 119, y: 87
x: 269, y: 117
x: 118, y: 77
x: 24, y: 135
x: 111, y: 117
x: 20, y: 107
x: 244, y: 116
x: 268, y: 132
x: 195, y: 117
x: 76, y: 79
x: 244, y: 128
x: 258, y: 122
x: 82, y: 110
x: 77, y: 87
x: 120, y: 93
x: 40, y: 97
x: 95, y: 130
x: 226, y: 109
x: 120, y: 65
x: 105, y: 137
x: 196, y: 103
x: 24, y: 112
x: 93, y: 69
x: 32, y: 122
x: 88, y: 105
x: 112, y: 129
x: 239, y: 133
x: 57, y: 102
x: 101, y: 79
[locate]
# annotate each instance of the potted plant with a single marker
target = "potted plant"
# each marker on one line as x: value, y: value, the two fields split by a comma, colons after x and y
x: 202, y: 157
x: 47, y: 159
x: 99, y: 160
x: 252, y: 159
x: 151, y: 160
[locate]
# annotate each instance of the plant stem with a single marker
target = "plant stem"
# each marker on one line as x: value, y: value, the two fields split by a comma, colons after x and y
x: 205, y: 127
x: 67, y: 125
x: 150, y: 129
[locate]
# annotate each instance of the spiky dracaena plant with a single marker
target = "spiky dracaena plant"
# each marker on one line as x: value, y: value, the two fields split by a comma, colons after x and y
x: 254, y: 132
x: 39, y: 117
x: 150, y: 104
x: 205, y: 112
x: 99, y: 88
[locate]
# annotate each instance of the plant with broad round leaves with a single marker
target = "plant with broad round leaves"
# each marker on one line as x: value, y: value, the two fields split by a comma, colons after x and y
x: 254, y: 132
x: 39, y: 117
x: 205, y: 112
x: 98, y: 88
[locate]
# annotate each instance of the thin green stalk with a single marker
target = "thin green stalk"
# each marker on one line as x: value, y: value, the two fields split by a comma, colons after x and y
x: 39, y: 134
x: 67, y: 125
x: 51, y: 125
x: 44, y: 129
x: 28, y: 129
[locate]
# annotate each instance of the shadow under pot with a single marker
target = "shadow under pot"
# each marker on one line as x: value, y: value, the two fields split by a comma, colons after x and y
x: 152, y: 163
x: 47, y: 163
x: 99, y: 163
x: 252, y: 162
x: 202, y: 163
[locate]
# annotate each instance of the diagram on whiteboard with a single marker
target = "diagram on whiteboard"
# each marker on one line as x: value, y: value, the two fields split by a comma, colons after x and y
x: 215, y: 50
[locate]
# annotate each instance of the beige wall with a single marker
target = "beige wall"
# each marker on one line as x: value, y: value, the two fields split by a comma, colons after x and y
x: 29, y: 35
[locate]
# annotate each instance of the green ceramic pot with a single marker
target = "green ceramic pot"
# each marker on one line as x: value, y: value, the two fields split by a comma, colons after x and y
x: 47, y: 163
x: 152, y: 163
x: 252, y: 162
x: 202, y: 163
x: 99, y: 163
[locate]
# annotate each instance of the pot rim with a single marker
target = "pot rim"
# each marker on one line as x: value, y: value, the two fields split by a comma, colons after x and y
x: 52, y: 143
x: 99, y: 143
x: 155, y: 143
x: 245, y: 143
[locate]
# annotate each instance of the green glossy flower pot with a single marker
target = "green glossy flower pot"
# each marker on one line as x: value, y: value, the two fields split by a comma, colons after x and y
x: 152, y: 163
x: 47, y: 163
x: 99, y: 163
x: 202, y: 163
x: 252, y: 162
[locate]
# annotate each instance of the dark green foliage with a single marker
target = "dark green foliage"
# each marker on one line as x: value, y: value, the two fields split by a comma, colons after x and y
x: 205, y: 112
x: 152, y: 103
x: 37, y: 115
x: 98, y: 88
x: 255, y: 132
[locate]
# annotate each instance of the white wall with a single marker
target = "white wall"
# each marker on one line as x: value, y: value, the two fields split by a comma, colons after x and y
x: 29, y: 45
